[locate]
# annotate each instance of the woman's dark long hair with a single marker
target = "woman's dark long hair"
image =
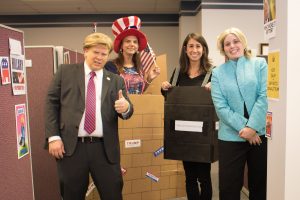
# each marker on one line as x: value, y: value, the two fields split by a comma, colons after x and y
x: 119, y: 61
x: 184, y: 61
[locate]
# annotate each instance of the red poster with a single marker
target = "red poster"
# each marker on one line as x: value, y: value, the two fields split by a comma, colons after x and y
x: 5, y: 72
x: 269, y: 125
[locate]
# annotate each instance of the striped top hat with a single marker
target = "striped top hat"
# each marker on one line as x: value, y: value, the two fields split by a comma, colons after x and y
x: 127, y: 26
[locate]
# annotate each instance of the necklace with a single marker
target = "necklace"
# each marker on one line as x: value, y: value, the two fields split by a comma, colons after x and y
x: 194, y: 74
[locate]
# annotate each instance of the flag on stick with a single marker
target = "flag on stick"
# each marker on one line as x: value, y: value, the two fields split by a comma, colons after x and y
x: 94, y: 27
x: 147, y: 58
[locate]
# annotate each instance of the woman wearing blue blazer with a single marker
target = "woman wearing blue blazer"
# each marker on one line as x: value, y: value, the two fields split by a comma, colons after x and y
x: 238, y: 89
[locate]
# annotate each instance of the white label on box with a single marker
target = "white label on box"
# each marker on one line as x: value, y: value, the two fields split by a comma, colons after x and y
x: 132, y: 143
x: 28, y: 63
x: 217, y: 125
x: 190, y: 126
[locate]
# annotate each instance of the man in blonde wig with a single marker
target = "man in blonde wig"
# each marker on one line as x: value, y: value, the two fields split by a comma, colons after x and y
x: 83, y: 104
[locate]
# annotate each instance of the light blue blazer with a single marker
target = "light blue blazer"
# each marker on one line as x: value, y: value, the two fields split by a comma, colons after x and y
x: 234, y: 83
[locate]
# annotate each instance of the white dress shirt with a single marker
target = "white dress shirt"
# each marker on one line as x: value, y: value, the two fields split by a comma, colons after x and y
x: 98, y: 132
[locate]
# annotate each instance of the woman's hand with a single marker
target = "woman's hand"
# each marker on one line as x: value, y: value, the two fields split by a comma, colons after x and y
x: 208, y: 86
x: 250, y: 135
x: 165, y: 85
x: 153, y: 73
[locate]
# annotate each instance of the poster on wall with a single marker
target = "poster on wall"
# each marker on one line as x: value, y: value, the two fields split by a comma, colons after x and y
x: 17, y: 74
x: 15, y: 47
x: 17, y: 67
x: 269, y: 125
x: 269, y: 19
x: 21, y: 129
x: 273, y: 75
x: 5, y: 72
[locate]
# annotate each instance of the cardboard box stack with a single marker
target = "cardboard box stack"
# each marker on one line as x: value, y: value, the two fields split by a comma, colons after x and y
x: 146, y: 125
x: 140, y: 137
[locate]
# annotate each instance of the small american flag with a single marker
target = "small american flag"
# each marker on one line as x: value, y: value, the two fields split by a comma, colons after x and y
x: 147, y: 58
x: 94, y: 27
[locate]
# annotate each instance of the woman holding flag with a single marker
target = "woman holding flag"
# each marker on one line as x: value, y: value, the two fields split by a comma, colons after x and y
x: 130, y: 63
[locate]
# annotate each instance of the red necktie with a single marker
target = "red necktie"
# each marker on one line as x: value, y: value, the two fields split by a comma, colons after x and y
x: 90, y: 105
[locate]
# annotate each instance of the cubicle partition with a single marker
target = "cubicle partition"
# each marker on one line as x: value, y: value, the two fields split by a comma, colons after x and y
x: 15, y: 171
x: 43, y: 62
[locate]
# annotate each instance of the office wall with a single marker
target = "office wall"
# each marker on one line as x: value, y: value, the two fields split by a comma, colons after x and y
x: 189, y: 24
x: 292, y: 174
x: 163, y: 40
x: 209, y: 22
x: 277, y: 146
x: 214, y: 21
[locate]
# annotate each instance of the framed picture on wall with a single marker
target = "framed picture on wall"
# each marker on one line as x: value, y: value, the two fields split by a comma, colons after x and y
x: 264, y: 49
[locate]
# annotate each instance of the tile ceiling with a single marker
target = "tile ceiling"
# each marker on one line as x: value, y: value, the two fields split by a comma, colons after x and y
x: 31, y: 7
x: 38, y: 13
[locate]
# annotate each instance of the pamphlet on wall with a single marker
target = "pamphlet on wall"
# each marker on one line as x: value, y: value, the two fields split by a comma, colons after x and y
x: 5, y: 70
x: 17, y: 74
x: 21, y: 129
x: 269, y: 125
x: 269, y: 19
x: 17, y: 67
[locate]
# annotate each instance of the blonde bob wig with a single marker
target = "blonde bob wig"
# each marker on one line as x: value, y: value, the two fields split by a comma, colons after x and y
x: 239, y: 34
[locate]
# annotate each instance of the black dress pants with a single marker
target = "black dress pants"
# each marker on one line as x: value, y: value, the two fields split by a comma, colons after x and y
x: 232, y: 159
x: 198, y: 172
x: 89, y: 158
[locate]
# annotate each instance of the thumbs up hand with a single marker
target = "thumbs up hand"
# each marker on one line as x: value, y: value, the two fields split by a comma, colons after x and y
x: 121, y: 105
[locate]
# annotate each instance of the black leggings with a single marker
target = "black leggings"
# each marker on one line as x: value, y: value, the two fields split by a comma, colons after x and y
x: 198, y: 172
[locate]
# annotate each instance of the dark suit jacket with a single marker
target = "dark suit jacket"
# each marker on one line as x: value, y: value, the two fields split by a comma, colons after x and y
x: 65, y: 106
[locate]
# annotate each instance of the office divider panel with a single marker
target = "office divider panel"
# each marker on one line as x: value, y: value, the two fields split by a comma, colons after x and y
x: 16, y: 176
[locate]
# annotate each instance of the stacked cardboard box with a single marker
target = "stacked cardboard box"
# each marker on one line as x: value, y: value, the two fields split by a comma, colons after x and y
x: 145, y: 131
x: 146, y: 125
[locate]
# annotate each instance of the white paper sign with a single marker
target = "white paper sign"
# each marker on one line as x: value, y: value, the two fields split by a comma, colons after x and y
x: 190, y: 126
x: 28, y: 63
x: 15, y: 46
x: 132, y: 143
x: 217, y: 125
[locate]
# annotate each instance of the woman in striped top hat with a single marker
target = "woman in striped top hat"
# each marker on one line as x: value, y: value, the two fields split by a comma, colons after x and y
x: 128, y: 44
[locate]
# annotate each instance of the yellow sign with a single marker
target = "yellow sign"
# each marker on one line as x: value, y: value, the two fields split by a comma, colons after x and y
x: 273, y: 75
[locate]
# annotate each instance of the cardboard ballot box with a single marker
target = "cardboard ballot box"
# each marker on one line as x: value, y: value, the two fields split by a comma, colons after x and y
x: 190, y: 131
